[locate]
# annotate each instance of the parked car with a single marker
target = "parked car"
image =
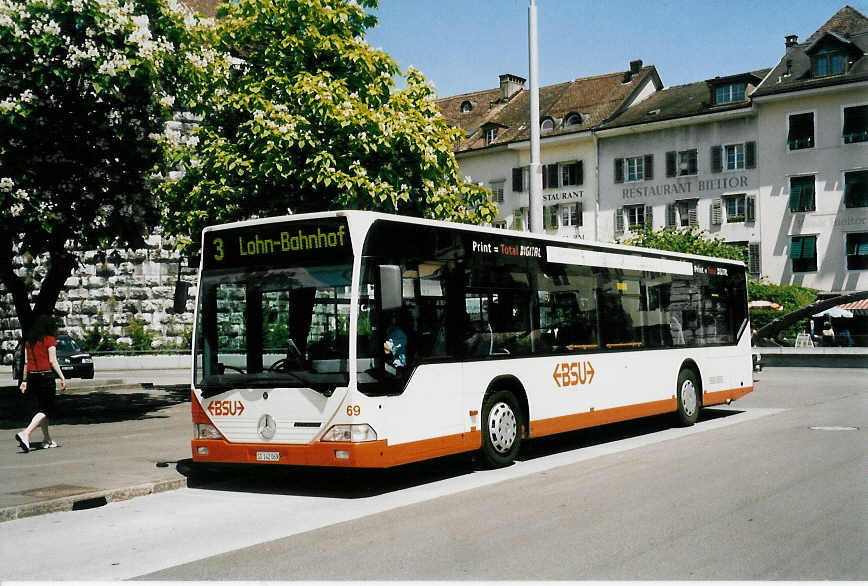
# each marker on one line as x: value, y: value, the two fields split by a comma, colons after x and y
x: 74, y: 362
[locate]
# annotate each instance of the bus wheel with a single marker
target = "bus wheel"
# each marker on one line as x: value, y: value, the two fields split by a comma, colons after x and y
x: 501, y: 432
x: 688, y: 398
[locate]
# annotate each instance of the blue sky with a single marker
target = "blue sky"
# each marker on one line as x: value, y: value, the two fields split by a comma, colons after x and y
x: 463, y: 45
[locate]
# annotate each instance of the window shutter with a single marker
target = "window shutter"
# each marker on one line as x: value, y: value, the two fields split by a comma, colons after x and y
x: 750, y: 209
x: 552, y: 171
x: 692, y: 166
x: 581, y: 220
x: 691, y: 216
x: 670, y: 163
x: 580, y: 172
x: 518, y: 179
x: 619, y: 221
x: 716, y: 159
x: 795, y: 196
x: 551, y: 217
x: 750, y: 155
x: 808, y: 201
x: 753, y: 263
x: 545, y: 176
x: 716, y: 213
x: 649, y: 167
x: 649, y: 216
x: 796, y: 247
x: 517, y: 219
x: 809, y: 247
x: 619, y: 170
x: 670, y: 213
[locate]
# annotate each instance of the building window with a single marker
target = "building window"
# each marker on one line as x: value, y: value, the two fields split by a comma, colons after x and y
x: 802, y: 193
x: 466, y: 107
x: 803, y: 253
x: 497, y: 191
x: 635, y: 216
x: 801, y: 131
x: 500, y: 224
x: 734, y: 156
x: 734, y: 92
x: 682, y: 214
x: 754, y: 261
x: 547, y: 125
x: 735, y: 208
x: 857, y: 251
x: 634, y: 168
x: 571, y: 215
x: 828, y: 62
x: 856, y: 189
x: 490, y: 134
x: 856, y: 124
x: 572, y: 173
x: 681, y: 163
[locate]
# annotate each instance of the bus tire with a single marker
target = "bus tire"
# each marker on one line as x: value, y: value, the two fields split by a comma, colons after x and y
x: 688, y: 397
x: 501, y: 428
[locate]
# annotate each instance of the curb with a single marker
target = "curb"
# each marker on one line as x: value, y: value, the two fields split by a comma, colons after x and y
x: 89, y: 500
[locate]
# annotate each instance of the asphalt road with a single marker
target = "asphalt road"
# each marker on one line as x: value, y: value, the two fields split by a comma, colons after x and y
x: 772, y: 488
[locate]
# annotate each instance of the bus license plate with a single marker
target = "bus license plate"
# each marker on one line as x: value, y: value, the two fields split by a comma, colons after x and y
x: 267, y: 456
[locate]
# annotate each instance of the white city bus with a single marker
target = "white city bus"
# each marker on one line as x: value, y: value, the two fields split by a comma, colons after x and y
x: 506, y: 336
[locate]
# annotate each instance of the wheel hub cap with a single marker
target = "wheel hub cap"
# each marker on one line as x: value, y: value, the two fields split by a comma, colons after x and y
x: 502, y: 427
x: 688, y: 397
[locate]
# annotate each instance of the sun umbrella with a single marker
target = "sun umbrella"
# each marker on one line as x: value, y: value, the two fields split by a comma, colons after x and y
x: 835, y: 312
x: 765, y: 305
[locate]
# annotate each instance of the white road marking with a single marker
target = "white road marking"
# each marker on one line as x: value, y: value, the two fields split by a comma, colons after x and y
x: 130, y: 538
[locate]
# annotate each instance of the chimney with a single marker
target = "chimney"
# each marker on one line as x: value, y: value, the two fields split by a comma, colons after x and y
x: 791, y: 40
x: 635, y: 66
x: 509, y: 84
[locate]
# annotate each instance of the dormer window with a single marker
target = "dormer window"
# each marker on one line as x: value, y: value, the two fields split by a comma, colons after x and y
x: 828, y: 62
x: 466, y: 106
x: 573, y: 119
x: 547, y: 125
x: 490, y: 133
x: 732, y: 92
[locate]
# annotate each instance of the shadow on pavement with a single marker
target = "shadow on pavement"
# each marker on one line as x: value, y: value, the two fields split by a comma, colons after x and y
x: 352, y: 484
x: 16, y: 408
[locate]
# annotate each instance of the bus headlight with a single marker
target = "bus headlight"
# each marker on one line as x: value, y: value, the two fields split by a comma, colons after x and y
x: 205, y: 431
x: 350, y: 433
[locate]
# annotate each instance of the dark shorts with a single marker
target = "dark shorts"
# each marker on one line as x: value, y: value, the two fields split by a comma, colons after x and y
x: 43, y: 389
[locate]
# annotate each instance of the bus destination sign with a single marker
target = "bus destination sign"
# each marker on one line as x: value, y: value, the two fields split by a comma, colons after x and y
x: 278, y: 244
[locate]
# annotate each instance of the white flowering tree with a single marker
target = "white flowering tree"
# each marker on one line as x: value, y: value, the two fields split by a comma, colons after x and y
x: 303, y: 115
x: 86, y: 89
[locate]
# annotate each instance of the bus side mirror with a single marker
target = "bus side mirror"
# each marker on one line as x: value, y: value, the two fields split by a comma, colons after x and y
x: 391, y: 291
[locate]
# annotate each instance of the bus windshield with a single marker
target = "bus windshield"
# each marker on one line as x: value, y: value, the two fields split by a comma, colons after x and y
x: 276, y: 328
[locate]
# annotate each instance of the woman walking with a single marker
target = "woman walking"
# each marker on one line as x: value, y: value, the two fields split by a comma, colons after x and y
x: 38, y: 378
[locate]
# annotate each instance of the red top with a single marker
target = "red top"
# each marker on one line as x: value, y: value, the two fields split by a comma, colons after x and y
x: 37, y: 354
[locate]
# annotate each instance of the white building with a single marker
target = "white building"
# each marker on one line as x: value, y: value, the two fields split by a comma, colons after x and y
x: 775, y: 160
x: 813, y: 145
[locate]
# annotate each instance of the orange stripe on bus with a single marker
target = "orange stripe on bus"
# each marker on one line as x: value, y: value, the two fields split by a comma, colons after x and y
x: 198, y: 414
x: 719, y: 397
x: 592, y: 418
x: 376, y: 454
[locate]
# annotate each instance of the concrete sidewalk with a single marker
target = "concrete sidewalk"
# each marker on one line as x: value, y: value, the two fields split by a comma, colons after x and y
x: 121, y: 434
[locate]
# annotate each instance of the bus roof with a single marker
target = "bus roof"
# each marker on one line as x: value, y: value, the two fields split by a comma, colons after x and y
x: 371, y: 217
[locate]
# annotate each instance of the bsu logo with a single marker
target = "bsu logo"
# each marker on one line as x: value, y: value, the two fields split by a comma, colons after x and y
x: 569, y: 374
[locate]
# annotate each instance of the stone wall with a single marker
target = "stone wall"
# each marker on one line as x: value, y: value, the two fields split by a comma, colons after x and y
x: 109, y: 290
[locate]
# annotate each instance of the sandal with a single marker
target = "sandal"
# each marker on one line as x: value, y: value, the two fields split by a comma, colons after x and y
x: 25, y: 445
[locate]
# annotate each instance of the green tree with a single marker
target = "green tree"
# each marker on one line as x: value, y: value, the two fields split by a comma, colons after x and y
x: 690, y: 240
x: 86, y: 89
x: 302, y: 115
